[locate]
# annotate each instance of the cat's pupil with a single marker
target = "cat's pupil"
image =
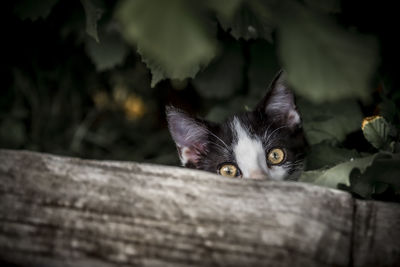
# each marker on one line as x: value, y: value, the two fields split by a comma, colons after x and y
x: 228, y: 170
x: 275, y: 155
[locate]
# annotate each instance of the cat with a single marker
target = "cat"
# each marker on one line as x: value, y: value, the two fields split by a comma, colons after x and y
x: 266, y: 143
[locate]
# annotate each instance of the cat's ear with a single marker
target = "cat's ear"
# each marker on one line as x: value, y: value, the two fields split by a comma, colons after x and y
x: 190, y: 136
x: 279, y: 103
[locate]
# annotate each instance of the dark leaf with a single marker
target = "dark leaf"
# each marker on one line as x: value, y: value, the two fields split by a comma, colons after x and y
x: 384, y: 172
x: 252, y: 20
x: 376, y: 130
x: 263, y: 67
x: 326, y: 154
x: 337, y: 174
x: 329, y: 121
x: 329, y: 6
x: 223, y: 8
x: 171, y: 36
x: 93, y: 11
x: 238, y: 104
x: 324, y: 62
x: 223, y: 76
x: 31, y: 9
x: 12, y: 133
x: 110, y: 52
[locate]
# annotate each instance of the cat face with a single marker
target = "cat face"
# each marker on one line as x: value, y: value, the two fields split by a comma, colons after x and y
x: 267, y: 142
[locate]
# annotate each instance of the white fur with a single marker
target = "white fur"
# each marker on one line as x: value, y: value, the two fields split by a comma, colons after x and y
x: 293, y: 117
x: 184, y: 155
x: 250, y: 156
x: 277, y: 173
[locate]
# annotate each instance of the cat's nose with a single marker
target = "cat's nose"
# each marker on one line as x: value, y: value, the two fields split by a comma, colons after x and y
x: 258, y: 174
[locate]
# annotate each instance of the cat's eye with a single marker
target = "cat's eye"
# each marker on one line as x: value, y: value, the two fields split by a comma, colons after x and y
x: 229, y: 170
x: 276, y: 156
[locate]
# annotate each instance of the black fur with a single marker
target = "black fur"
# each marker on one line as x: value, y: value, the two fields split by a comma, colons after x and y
x: 262, y: 122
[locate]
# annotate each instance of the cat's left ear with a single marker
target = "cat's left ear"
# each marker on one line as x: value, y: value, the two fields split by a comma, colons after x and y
x: 190, y: 136
x: 279, y: 103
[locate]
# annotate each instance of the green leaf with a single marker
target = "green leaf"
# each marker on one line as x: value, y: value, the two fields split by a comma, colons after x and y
x: 157, y: 72
x: 387, y: 108
x: 338, y: 174
x: 376, y: 131
x: 329, y: 6
x: 223, y: 76
x: 32, y: 9
x: 218, y: 114
x: 395, y: 147
x: 107, y: 54
x: 223, y: 8
x: 326, y: 154
x: 263, y: 67
x: 12, y: 133
x: 329, y: 121
x: 171, y: 36
x: 93, y: 11
x: 238, y: 104
x: 384, y: 172
x: 324, y: 61
x: 252, y: 20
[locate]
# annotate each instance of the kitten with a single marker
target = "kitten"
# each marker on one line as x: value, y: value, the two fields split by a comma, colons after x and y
x: 267, y: 142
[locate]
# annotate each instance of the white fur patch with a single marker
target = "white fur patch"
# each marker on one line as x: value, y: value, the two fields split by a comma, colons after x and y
x: 281, y: 102
x: 293, y: 117
x: 277, y: 173
x: 184, y: 155
x: 250, y: 156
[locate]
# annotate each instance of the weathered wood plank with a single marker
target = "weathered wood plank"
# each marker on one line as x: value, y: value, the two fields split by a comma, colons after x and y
x: 57, y: 211
x: 376, y: 234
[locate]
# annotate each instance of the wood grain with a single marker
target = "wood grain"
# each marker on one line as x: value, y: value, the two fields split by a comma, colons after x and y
x: 59, y: 211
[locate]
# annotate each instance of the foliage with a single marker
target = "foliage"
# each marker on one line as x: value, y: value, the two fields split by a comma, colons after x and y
x: 330, y: 121
x: 176, y: 44
x: 376, y: 130
x: 111, y: 52
x: 91, y: 78
x: 374, y: 176
x: 222, y: 78
x: 93, y: 14
x: 339, y: 173
x: 31, y: 9
x: 379, y: 180
x: 325, y: 62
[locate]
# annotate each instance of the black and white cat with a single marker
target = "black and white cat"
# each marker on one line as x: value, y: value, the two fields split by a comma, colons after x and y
x: 267, y: 142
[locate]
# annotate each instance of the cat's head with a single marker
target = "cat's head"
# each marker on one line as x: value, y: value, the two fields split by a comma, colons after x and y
x: 267, y: 142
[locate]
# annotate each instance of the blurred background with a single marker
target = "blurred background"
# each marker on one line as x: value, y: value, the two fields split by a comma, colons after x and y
x: 91, y: 78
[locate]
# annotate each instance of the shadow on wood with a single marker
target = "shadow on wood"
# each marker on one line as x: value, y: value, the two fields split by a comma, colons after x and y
x: 58, y: 211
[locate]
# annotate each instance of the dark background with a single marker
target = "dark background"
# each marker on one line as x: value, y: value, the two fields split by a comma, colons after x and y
x: 63, y: 94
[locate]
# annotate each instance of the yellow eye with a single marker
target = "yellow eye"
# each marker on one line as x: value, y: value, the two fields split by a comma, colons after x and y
x: 228, y: 170
x: 276, y: 156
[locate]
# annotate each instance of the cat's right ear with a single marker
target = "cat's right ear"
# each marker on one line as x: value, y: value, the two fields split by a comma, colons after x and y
x: 189, y: 134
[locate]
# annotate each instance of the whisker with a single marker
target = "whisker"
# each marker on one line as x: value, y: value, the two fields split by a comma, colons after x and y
x: 221, y: 147
x: 266, y: 131
x: 270, y: 135
x: 218, y: 138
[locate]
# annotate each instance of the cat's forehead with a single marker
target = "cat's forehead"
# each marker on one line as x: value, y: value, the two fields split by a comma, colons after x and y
x: 252, y: 124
